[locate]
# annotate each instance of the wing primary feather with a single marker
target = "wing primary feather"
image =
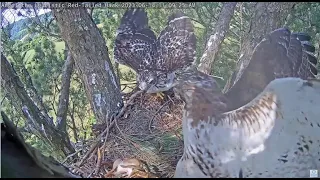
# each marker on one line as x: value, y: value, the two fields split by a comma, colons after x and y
x: 136, y: 46
x: 135, y: 41
x: 177, y: 42
x: 301, y: 36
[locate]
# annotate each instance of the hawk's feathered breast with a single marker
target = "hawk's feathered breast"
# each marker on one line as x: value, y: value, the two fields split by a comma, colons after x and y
x: 274, y: 134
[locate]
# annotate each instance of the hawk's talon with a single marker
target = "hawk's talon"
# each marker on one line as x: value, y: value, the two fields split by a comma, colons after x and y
x: 160, y: 95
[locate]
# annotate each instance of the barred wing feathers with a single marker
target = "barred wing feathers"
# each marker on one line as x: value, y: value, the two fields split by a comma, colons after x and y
x: 136, y: 44
x: 177, y: 43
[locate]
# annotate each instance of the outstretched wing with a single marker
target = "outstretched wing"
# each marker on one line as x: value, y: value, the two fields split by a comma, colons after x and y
x: 177, y: 43
x: 280, y: 54
x: 306, y: 67
x: 135, y: 41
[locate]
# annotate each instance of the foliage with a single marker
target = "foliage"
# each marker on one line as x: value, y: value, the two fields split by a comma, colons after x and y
x: 305, y: 17
x: 36, y: 53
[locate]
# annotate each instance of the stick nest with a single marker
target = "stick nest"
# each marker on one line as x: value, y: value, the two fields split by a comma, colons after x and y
x: 147, y: 128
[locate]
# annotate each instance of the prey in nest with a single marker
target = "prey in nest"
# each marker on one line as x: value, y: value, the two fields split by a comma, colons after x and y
x: 149, y: 129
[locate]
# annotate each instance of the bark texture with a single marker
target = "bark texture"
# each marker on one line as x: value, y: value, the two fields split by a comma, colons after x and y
x: 64, y: 94
x: 90, y: 54
x: 215, y: 40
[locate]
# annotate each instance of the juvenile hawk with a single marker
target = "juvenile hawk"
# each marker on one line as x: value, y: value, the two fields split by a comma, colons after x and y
x: 155, y: 60
x: 275, y: 134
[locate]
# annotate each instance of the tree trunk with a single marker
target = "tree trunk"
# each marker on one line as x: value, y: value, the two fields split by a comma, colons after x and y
x: 36, y: 121
x: 215, y: 40
x: 267, y: 16
x: 90, y: 53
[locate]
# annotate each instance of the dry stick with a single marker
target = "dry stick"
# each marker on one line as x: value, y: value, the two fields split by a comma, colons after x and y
x: 93, y: 147
x: 92, y: 156
x: 71, y: 155
x: 98, y: 166
x: 98, y: 161
x: 171, y: 100
x: 125, y: 86
x: 97, y: 141
x: 150, y: 122
x: 77, y: 169
x: 124, y: 136
x: 90, y: 174
x: 121, y: 112
x: 134, y: 90
x: 132, y: 97
x: 129, y: 83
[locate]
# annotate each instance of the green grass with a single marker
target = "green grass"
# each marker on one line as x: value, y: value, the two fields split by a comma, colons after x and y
x: 59, y: 46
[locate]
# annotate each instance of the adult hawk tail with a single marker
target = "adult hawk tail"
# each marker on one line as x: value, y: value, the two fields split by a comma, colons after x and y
x: 307, y: 66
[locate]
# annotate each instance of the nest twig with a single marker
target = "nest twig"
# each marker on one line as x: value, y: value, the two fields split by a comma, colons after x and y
x: 150, y: 122
x: 133, y: 138
x: 106, y: 131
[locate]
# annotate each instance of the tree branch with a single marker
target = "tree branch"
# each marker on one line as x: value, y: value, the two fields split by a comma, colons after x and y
x: 215, y: 40
x: 10, y: 82
x: 64, y: 93
x: 22, y: 160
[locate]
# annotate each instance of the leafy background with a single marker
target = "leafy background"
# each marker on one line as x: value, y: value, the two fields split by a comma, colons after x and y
x: 37, y: 55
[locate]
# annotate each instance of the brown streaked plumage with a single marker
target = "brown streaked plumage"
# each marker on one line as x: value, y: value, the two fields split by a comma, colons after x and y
x: 155, y: 60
